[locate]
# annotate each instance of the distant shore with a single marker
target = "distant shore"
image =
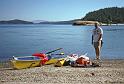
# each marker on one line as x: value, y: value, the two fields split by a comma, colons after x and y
x: 90, y: 23
x: 70, y: 22
x: 111, y: 72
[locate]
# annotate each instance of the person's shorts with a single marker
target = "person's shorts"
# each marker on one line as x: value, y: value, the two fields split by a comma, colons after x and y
x: 97, y: 44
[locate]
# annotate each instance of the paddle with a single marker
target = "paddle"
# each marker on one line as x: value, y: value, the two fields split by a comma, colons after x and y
x: 53, y: 50
x: 48, y: 53
x: 58, y: 54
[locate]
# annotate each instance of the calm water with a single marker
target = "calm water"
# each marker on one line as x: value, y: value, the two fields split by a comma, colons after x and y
x: 22, y: 40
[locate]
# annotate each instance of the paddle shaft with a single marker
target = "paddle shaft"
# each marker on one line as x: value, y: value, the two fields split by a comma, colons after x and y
x: 53, y: 50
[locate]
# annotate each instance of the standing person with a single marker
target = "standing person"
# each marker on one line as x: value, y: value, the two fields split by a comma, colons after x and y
x: 97, y: 40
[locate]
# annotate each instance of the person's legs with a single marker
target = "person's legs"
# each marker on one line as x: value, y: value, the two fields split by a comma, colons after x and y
x: 97, y: 47
x: 97, y: 50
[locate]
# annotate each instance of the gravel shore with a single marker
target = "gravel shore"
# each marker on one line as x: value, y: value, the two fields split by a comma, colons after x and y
x: 111, y: 72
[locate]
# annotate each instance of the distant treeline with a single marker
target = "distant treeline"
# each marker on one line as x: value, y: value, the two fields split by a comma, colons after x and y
x: 15, y: 21
x: 112, y: 15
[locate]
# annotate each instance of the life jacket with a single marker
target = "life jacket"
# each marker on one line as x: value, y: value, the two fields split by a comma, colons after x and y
x: 43, y: 57
x: 83, y: 61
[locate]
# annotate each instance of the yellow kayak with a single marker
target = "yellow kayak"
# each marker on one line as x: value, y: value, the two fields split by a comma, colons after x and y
x: 51, y: 61
x: 25, y: 62
x: 60, y: 62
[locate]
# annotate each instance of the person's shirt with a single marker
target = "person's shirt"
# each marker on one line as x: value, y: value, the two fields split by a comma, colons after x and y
x: 96, y: 34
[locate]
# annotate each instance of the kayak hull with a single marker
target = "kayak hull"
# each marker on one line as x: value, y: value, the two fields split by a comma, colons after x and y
x: 51, y: 61
x: 25, y: 62
x: 59, y: 63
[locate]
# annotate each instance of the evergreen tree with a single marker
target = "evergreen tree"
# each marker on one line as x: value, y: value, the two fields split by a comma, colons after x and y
x: 107, y: 15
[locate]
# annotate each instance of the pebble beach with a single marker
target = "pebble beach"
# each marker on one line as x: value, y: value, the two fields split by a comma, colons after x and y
x: 110, y: 72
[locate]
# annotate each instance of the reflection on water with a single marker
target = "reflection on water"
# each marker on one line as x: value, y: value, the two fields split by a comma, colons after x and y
x: 114, y: 29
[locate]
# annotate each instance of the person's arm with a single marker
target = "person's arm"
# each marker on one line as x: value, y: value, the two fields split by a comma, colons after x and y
x: 92, y: 39
x: 100, y: 36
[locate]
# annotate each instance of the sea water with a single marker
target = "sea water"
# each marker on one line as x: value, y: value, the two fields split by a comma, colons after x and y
x: 24, y: 40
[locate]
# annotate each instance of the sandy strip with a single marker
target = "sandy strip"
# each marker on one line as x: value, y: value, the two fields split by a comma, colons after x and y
x: 111, y: 72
